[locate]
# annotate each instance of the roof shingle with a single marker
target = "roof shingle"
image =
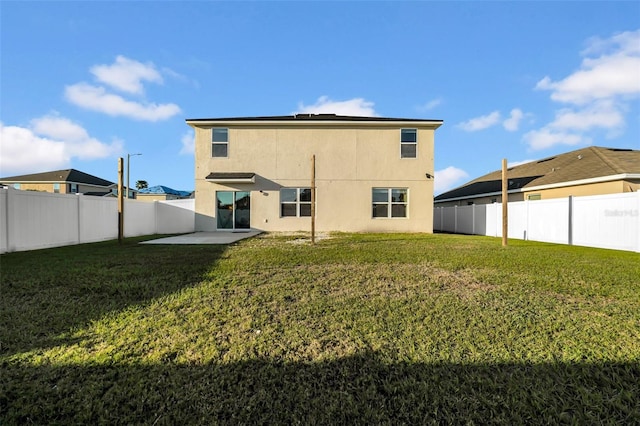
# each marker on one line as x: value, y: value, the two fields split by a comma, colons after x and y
x: 586, y: 163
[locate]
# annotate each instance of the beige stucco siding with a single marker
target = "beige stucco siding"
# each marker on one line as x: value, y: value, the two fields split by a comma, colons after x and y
x: 349, y: 163
x: 600, y: 188
x: 156, y: 197
x: 43, y: 187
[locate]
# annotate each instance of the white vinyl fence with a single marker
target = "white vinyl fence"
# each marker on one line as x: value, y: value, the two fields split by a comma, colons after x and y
x: 605, y: 221
x: 33, y: 220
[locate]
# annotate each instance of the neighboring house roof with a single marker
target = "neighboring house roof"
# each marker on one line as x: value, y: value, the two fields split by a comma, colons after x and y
x: 67, y: 175
x: 571, y: 168
x: 163, y: 190
x: 314, y: 117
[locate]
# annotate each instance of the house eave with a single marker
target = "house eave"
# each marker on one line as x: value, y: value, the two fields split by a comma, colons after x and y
x: 204, y: 123
x: 589, y: 181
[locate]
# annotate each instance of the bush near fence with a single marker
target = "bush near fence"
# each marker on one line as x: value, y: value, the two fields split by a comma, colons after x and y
x: 33, y: 220
x: 605, y: 221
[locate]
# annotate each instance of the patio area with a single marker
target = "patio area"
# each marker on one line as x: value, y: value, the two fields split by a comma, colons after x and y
x: 219, y: 237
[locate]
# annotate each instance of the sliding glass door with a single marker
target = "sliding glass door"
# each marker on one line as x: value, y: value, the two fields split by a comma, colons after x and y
x: 233, y: 209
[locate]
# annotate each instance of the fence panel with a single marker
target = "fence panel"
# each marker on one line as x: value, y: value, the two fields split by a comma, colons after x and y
x: 609, y: 221
x: 517, y: 220
x: 549, y: 220
x: 605, y: 221
x: 39, y: 220
x: 98, y: 219
x: 4, y: 221
x: 32, y: 220
x: 449, y: 220
x: 175, y: 216
x: 464, y: 222
x: 139, y: 218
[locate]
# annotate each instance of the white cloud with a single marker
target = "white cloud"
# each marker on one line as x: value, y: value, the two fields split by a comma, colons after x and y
x: 597, y: 93
x: 58, y: 128
x: 25, y: 152
x: 355, y: 107
x: 546, y: 138
x: 429, y: 105
x: 513, y: 122
x: 98, y: 99
x: 602, y: 114
x: 480, y: 123
x: 127, y: 74
x: 49, y: 143
x: 188, y: 143
x: 614, y: 73
x: 448, y: 178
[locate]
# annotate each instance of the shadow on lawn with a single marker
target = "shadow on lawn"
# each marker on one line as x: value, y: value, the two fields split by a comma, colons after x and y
x: 49, y: 292
x: 361, y: 389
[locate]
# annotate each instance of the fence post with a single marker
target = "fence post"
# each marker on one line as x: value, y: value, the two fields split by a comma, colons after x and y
x: 455, y: 219
x: 79, y: 218
x: 570, y: 236
x: 9, y: 217
x: 638, y: 221
x: 473, y: 219
x: 156, y: 215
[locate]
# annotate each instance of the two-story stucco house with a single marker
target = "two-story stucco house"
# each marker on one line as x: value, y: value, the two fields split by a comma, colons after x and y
x: 371, y: 173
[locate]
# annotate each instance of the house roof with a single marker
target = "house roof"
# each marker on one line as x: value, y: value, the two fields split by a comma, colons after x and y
x: 570, y: 168
x: 313, y: 118
x: 66, y: 175
x: 160, y: 189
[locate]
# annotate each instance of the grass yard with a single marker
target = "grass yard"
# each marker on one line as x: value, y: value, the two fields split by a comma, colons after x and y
x: 359, y: 329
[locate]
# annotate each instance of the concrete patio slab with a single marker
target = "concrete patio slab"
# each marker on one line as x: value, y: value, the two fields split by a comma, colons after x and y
x: 220, y: 237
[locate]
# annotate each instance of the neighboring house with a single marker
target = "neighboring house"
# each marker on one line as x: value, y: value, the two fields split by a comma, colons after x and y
x: 68, y: 181
x: 371, y: 173
x: 161, y: 193
x: 588, y: 171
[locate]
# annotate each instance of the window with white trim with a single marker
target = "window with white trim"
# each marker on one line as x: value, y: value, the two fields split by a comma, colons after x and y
x: 295, y: 202
x: 408, y: 143
x: 390, y: 202
x: 219, y: 142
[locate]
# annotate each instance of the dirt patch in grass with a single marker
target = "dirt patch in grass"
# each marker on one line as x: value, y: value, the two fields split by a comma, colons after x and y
x: 387, y: 280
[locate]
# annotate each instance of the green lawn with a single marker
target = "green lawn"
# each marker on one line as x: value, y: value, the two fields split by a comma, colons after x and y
x: 358, y: 329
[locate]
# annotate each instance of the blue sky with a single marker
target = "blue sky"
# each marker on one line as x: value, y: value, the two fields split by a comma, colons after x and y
x: 83, y: 83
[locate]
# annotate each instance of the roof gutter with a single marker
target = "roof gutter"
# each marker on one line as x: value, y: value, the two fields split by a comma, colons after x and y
x: 589, y: 181
x: 600, y: 179
x: 486, y: 194
x: 432, y: 124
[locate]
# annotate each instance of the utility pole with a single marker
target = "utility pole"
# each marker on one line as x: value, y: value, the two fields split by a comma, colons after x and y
x: 505, y: 202
x: 313, y: 199
x: 120, y: 201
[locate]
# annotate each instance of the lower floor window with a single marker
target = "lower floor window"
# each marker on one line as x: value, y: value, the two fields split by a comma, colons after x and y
x: 295, y: 202
x: 390, y: 202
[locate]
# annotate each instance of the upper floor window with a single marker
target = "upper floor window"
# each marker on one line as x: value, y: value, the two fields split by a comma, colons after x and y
x: 408, y: 143
x: 220, y: 142
x: 295, y: 202
x: 390, y: 202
